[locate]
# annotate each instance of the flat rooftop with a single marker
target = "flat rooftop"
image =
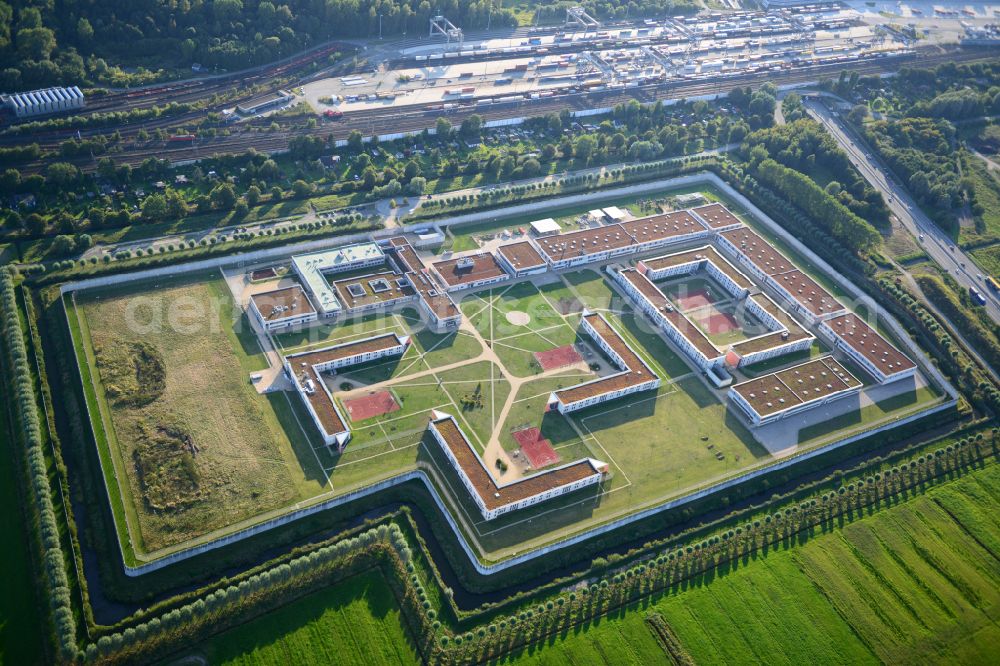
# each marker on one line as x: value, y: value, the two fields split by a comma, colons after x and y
x: 312, y: 268
x: 436, y: 300
x: 283, y: 303
x: 363, y: 290
x: 808, y: 293
x: 706, y: 253
x: 657, y: 298
x: 615, y: 236
x: 472, y: 268
x: 792, y: 332
x: 861, y: 337
x: 759, y: 251
x: 521, y: 255
x: 716, y: 215
x: 493, y: 495
x: 304, y: 367
x: 798, y: 385
x: 634, y: 372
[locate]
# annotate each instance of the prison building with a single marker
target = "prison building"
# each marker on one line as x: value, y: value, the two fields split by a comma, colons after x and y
x: 794, y: 390
x: 633, y: 375
x: 305, y: 370
x: 45, y: 101
x: 785, y: 335
x: 648, y: 298
x: 521, y: 258
x: 642, y: 235
x: 805, y: 296
x: 434, y: 302
x: 471, y: 271
x: 717, y: 217
x: 774, y: 269
x: 282, y: 308
x: 691, y: 261
x: 313, y: 269
x: 852, y: 335
x: 495, y: 499
x: 374, y: 293
x: 754, y: 253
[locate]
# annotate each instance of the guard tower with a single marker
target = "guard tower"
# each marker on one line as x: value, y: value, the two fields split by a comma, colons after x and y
x: 576, y: 17
x: 442, y: 26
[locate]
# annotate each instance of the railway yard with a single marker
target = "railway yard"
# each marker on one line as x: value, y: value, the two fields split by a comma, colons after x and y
x: 392, y: 88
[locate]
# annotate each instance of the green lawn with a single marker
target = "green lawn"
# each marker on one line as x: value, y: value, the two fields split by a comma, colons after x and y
x: 355, y: 622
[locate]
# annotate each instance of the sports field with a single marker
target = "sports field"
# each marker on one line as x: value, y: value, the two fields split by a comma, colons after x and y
x: 709, y: 307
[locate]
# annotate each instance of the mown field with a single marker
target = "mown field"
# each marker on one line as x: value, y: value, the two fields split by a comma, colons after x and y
x: 355, y: 622
x: 916, y: 582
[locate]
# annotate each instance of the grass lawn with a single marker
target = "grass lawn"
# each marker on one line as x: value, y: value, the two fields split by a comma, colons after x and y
x: 898, y: 406
x: 528, y: 410
x: 479, y: 390
x: 354, y: 622
x: 184, y: 471
x: 987, y: 194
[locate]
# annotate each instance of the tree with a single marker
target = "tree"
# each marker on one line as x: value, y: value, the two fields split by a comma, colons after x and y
x: 443, y: 128
x: 253, y: 195
x: 585, y: 147
x: 355, y: 140
x: 63, y: 245
x: 154, y: 208
x: 411, y: 170
x: 223, y: 196
x: 858, y: 114
x: 416, y: 185
x: 301, y: 188
x: 10, y: 180
x: 61, y: 174
x: 471, y: 126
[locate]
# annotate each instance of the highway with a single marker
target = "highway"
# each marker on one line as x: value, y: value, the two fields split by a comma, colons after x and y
x: 933, y: 240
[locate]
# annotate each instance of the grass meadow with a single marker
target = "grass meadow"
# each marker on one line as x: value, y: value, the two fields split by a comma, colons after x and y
x: 913, y: 582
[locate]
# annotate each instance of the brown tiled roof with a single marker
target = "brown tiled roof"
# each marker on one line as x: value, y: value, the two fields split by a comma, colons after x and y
x: 615, y: 236
x: 854, y: 331
x: 437, y: 301
x: 305, y: 362
x: 759, y: 251
x: 484, y: 267
x: 797, y: 385
x: 495, y: 496
x: 706, y: 253
x: 283, y: 303
x: 634, y: 372
x: 521, y: 255
x: 716, y: 215
x: 808, y: 293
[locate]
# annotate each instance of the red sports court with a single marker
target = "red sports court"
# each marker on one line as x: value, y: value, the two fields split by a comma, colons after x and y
x: 366, y: 407
x: 719, y: 322
x: 692, y: 300
x: 536, y: 448
x: 558, y: 357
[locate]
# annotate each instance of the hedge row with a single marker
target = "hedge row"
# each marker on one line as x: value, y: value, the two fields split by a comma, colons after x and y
x: 23, y: 396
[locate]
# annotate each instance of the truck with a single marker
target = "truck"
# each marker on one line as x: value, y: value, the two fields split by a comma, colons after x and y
x: 976, y: 296
x: 993, y: 284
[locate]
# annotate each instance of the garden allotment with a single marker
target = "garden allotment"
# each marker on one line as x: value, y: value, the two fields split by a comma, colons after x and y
x: 545, y: 388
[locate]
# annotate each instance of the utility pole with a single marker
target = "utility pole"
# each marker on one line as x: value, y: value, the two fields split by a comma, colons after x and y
x: 380, y: 26
x: 489, y: 17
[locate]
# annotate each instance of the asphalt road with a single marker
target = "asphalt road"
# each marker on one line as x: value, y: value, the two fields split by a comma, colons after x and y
x: 934, y: 241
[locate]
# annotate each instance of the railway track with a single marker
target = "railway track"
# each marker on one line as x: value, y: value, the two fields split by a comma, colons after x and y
x: 413, y: 119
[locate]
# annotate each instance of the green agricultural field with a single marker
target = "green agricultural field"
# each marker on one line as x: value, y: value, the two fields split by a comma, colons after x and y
x: 355, y: 622
x: 156, y: 355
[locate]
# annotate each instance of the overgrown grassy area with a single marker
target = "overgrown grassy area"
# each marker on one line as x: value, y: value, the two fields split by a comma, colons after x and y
x: 158, y: 353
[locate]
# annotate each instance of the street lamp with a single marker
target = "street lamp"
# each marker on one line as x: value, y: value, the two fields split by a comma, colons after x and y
x: 380, y: 26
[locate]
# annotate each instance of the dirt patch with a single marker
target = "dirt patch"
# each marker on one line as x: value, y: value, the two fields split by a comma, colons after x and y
x: 566, y: 306
x: 165, y: 467
x: 518, y: 318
